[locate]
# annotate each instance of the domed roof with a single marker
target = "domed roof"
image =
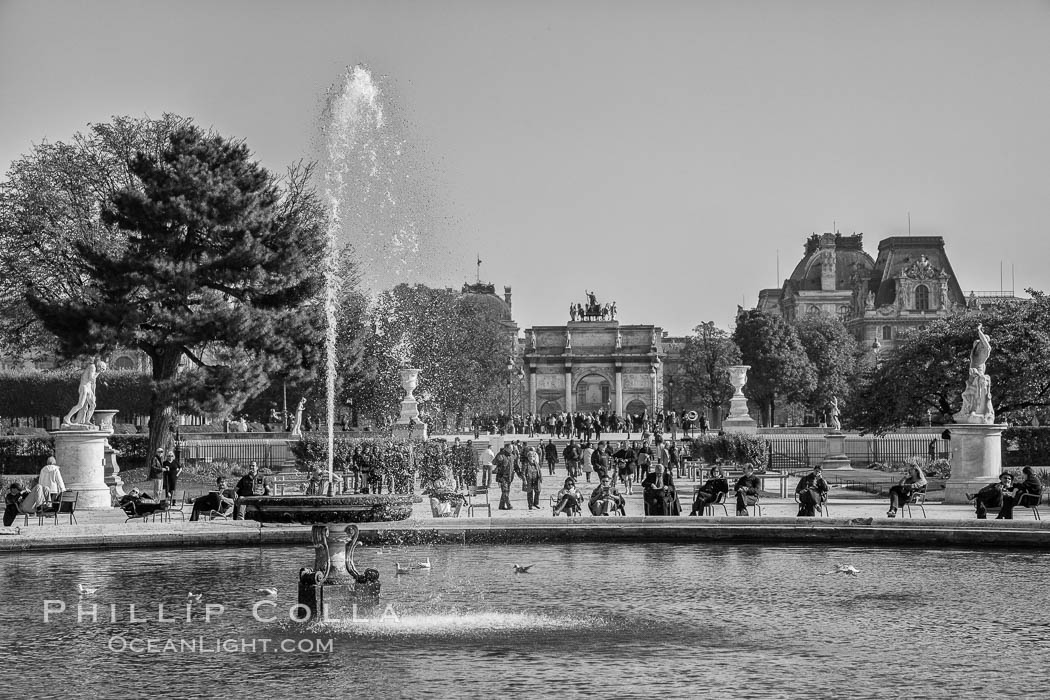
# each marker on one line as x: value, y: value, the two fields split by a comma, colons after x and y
x: 850, y: 262
x: 482, y: 297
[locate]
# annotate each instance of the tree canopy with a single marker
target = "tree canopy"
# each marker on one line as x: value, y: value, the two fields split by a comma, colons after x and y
x: 832, y: 351
x: 52, y: 199
x: 928, y: 368
x: 705, y: 357
x: 222, y: 265
x: 779, y: 364
x: 460, y: 347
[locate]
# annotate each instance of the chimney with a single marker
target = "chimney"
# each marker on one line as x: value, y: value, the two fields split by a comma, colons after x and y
x: 506, y: 297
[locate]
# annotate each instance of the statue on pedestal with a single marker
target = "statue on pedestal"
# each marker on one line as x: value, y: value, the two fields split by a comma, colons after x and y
x: 297, y: 426
x: 80, y: 415
x: 833, y: 414
x: 977, y: 396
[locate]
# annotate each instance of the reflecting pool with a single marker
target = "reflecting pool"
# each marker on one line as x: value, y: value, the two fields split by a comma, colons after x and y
x: 620, y: 620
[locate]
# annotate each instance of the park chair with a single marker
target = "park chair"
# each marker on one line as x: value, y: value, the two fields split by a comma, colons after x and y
x: 173, y: 508
x: 478, y: 499
x: 132, y: 510
x: 41, y: 511
x: 918, y: 499
x: 66, y: 504
x: 572, y: 511
x: 709, y: 508
x: 1030, y: 500
x: 821, y: 507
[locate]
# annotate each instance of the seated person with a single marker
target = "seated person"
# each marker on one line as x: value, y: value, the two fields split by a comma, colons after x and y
x: 1002, y: 495
x: 913, y: 481
x: 709, y: 492
x: 220, y: 500
x: 746, y: 489
x: 448, y: 501
x: 140, y: 503
x: 660, y: 496
x: 19, y: 501
x: 812, y: 490
x: 568, y: 498
x: 605, y: 499
x: 1030, y: 489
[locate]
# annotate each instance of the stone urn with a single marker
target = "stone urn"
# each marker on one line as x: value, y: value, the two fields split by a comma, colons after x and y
x: 104, y: 419
x: 409, y: 407
x: 739, y: 420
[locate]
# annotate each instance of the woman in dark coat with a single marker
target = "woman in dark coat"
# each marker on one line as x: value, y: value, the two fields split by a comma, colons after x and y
x: 708, y: 493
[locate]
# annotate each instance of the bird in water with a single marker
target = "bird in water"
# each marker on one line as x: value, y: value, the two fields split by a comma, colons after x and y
x: 519, y: 569
x: 268, y: 592
x: 84, y: 590
x: 847, y: 569
x: 193, y: 598
x: 425, y: 564
x: 401, y: 568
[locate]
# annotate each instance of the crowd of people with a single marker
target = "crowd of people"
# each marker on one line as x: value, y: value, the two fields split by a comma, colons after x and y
x: 589, y: 425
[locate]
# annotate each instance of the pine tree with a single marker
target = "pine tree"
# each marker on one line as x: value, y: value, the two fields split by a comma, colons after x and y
x: 222, y: 266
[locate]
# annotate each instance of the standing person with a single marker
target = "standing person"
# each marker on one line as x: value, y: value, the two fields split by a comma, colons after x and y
x: 629, y: 468
x: 746, y: 490
x: 51, y: 477
x: 550, y: 452
x: 585, y: 460
x: 812, y: 490
x: 532, y: 476
x: 572, y: 454
x: 901, y: 493
x: 600, y: 461
x: 172, y: 469
x: 504, y: 477
x: 488, y: 458
x: 703, y: 425
x: 157, y: 472
x: 251, y: 484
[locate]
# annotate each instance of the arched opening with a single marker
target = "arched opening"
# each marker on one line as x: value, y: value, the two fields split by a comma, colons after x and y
x: 887, y: 333
x: 922, y: 298
x: 636, y: 407
x: 124, y: 363
x: 593, y: 392
x: 550, y: 407
x: 813, y: 310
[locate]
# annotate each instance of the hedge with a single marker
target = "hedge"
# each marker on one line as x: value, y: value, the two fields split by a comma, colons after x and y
x: 740, y: 448
x: 20, y: 454
x: 1026, y: 445
x: 54, y: 392
x: 383, y: 457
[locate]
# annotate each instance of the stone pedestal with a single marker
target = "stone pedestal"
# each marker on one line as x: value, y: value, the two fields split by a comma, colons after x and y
x: 111, y: 470
x: 835, y: 452
x: 977, y: 459
x: 404, y: 431
x: 81, y: 454
x: 739, y: 420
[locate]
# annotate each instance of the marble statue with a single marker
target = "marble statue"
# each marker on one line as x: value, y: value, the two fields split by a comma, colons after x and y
x: 572, y: 312
x: 977, y: 396
x: 619, y: 339
x: 612, y: 311
x: 297, y: 426
x: 592, y: 299
x: 568, y: 340
x: 833, y: 414
x: 80, y: 415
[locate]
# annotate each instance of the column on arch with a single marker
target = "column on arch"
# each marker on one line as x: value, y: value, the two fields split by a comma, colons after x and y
x: 532, y: 390
x: 618, y: 403
x: 568, y: 390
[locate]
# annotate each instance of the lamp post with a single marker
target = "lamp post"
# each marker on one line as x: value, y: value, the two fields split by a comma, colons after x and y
x: 670, y: 394
x: 510, y: 375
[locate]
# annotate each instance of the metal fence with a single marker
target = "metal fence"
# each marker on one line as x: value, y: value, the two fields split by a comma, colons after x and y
x: 273, y: 454
x: 801, y: 452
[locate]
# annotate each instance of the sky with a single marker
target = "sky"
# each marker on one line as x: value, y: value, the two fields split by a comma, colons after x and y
x: 664, y: 154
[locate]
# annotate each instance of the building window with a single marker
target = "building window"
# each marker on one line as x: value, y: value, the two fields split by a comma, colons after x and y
x: 813, y: 310
x: 843, y: 312
x: 922, y: 298
x: 887, y: 332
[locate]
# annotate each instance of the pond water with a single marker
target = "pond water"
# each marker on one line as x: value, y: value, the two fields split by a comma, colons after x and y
x: 620, y: 620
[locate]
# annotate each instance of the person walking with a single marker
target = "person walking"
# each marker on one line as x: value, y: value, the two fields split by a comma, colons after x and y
x: 504, y: 468
x: 532, y: 476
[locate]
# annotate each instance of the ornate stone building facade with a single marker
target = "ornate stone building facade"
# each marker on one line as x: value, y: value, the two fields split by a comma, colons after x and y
x: 910, y: 283
x: 591, y: 365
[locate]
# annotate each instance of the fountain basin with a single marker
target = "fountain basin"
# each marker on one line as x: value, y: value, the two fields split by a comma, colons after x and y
x: 310, y: 510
